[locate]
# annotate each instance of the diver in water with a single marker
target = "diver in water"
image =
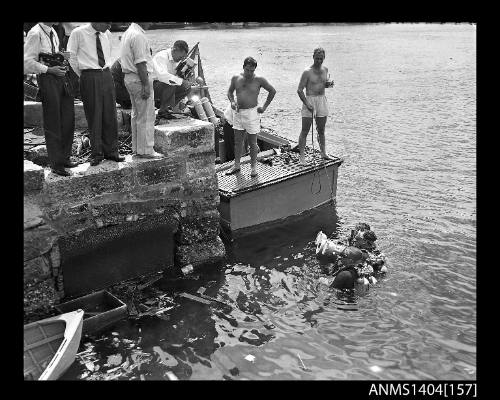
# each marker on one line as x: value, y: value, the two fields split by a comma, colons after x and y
x: 351, y: 264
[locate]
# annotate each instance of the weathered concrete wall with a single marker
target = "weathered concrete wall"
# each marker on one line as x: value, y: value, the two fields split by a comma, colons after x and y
x: 69, y: 219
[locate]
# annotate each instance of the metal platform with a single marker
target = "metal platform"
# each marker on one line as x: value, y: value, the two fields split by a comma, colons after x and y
x: 271, y: 170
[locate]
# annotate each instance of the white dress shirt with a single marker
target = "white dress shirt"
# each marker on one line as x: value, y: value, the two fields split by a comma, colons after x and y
x: 135, y: 49
x: 38, y: 41
x: 69, y: 26
x: 83, y: 48
x: 164, y: 66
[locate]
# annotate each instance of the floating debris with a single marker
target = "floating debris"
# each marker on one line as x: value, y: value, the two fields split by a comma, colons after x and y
x: 171, y: 376
x: 187, y: 269
x: 250, y: 358
x: 375, y: 368
x: 302, y: 363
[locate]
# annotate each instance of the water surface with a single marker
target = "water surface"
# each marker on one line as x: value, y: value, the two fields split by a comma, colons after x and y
x: 403, y: 116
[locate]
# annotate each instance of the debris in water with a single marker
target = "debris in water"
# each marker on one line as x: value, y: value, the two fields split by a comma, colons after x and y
x: 187, y: 269
x: 375, y: 368
x: 195, y: 298
x: 250, y: 358
x: 302, y: 362
x: 171, y: 376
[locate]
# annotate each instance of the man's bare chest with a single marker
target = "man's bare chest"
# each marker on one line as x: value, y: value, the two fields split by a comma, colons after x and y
x: 247, y: 86
x: 315, y: 77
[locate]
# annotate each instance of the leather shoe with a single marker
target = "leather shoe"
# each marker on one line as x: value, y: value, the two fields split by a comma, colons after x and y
x: 115, y: 158
x: 60, y: 171
x: 70, y: 164
x: 95, y: 161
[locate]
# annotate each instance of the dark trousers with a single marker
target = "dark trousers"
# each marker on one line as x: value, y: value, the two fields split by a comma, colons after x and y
x: 58, y: 119
x: 228, y: 141
x: 168, y: 95
x: 99, y: 103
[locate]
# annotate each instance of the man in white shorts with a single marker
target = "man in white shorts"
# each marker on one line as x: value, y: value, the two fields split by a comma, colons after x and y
x: 246, y: 115
x: 314, y: 79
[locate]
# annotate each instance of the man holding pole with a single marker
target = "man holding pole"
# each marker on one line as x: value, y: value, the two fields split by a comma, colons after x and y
x: 314, y: 79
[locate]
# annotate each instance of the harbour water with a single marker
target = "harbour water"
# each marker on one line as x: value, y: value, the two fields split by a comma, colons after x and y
x: 403, y: 117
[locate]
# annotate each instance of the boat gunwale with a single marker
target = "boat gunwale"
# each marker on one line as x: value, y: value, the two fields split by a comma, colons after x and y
x: 307, y: 170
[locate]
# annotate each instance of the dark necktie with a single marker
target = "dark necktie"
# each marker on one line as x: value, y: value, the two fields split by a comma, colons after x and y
x: 51, y: 37
x: 100, y: 54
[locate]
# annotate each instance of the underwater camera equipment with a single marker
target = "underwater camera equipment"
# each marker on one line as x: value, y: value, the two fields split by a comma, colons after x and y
x: 185, y: 68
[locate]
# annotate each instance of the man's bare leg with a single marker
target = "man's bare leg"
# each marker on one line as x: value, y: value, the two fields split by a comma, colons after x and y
x: 306, y: 125
x: 320, y: 126
x: 238, y: 147
x: 254, y: 150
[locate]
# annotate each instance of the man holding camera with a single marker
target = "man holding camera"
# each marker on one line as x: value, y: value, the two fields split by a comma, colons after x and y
x: 41, y: 57
x: 169, y: 87
x: 90, y: 48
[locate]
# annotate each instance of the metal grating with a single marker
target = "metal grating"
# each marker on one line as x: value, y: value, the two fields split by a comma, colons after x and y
x: 283, y: 166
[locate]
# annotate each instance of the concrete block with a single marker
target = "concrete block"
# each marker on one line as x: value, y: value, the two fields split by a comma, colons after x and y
x: 80, y: 120
x: 159, y: 171
x: 37, y: 269
x: 33, y: 176
x: 32, y: 214
x: 200, y: 164
x: 33, y: 114
x: 187, y: 135
x: 203, y: 227
x: 39, y: 299
x: 38, y: 241
x: 201, y: 253
x: 86, y: 183
x: 38, y: 155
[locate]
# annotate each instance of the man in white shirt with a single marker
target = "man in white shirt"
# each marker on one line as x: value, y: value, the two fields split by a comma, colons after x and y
x: 169, y: 89
x: 137, y: 67
x: 57, y: 102
x: 90, y: 48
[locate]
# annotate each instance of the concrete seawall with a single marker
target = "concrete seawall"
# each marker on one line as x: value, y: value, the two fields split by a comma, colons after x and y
x: 114, y: 221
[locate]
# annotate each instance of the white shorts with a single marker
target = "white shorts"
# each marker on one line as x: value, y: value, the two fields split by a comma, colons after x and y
x: 247, y: 119
x: 319, y: 104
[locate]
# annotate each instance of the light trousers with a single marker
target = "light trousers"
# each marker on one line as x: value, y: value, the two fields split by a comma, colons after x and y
x: 142, y: 117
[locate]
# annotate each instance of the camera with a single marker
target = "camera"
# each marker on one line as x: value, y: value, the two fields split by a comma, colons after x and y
x: 185, y: 69
x: 52, y: 60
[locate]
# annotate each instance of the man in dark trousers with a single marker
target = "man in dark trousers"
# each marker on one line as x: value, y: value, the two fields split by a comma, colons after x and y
x: 90, y: 48
x: 57, y: 100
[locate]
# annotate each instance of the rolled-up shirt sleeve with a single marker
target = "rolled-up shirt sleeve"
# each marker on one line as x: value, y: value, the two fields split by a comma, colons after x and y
x: 139, y: 48
x: 160, y: 63
x: 31, y: 51
x: 72, y: 47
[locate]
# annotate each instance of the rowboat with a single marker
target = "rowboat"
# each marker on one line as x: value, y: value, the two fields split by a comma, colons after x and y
x: 50, y: 345
x: 101, y: 309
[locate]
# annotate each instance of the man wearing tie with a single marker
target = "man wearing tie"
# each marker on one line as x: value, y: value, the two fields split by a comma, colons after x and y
x: 57, y: 103
x: 90, y: 48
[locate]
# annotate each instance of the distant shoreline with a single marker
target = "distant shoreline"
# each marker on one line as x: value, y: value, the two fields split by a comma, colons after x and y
x: 122, y: 26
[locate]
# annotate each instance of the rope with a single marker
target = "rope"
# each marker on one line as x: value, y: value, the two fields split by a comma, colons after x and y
x: 316, y: 172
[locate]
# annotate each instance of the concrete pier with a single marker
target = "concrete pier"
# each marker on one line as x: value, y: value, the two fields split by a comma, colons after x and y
x: 115, y: 221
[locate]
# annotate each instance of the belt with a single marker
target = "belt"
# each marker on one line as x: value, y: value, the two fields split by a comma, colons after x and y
x: 95, y: 70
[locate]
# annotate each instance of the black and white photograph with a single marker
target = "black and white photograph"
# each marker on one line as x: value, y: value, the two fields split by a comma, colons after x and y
x: 251, y: 201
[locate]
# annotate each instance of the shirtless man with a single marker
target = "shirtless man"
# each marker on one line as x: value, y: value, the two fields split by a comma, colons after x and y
x: 314, y: 79
x: 246, y: 111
